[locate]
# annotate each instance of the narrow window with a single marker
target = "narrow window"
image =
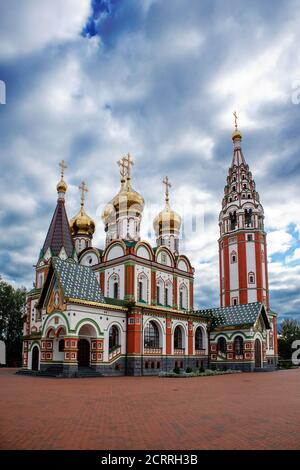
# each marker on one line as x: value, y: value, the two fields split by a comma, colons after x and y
x: 115, y: 290
x: 140, y: 291
x: 167, y: 296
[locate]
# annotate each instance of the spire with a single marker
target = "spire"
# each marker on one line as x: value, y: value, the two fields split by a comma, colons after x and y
x: 238, y: 157
x: 59, y: 235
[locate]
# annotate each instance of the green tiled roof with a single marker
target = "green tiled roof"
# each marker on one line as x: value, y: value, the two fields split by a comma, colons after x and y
x: 34, y: 291
x: 78, y: 282
x: 233, y: 316
x: 129, y: 244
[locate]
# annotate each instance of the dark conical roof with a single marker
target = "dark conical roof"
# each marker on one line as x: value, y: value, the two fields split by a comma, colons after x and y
x: 59, y: 234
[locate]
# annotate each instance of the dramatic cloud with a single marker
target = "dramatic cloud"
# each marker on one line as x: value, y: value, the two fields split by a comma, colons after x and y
x: 89, y: 81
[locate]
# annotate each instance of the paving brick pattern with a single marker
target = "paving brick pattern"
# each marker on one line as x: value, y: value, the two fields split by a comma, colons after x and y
x: 241, y: 411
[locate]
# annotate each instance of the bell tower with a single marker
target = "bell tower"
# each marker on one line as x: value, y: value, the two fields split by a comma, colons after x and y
x: 242, y: 242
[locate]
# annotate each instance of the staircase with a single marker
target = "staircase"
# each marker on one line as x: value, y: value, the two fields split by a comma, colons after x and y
x: 84, y: 372
x: 51, y: 371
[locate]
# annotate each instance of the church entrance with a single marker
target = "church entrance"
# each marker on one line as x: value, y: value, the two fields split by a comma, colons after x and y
x: 83, y: 353
x: 35, y: 358
x: 257, y: 350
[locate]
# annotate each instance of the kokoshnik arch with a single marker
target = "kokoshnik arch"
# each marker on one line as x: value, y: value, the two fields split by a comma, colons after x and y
x: 128, y: 309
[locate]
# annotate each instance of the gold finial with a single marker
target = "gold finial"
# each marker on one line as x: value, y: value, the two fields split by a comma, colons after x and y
x: 168, y: 185
x: 62, y: 168
x: 235, y: 120
x: 236, y: 135
x: 83, y: 188
x: 62, y: 185
x: 128, y: 163
x: 123, y: 171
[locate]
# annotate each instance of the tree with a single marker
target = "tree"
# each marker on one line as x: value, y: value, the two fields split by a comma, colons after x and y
x: 290, y: 331
x: 12, y: 302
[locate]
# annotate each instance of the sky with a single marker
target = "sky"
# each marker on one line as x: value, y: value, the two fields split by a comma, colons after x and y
x: 88, y: 81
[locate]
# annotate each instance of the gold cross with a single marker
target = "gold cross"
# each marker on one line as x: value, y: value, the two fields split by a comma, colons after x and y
x: 168, y: 185
x: 235, y: 120
x: 123, y: 167
x: 83, y: 188
x: 62, y: 168
x: 128, y: 162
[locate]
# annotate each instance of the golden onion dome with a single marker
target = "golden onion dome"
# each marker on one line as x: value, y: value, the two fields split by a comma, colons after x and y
x: 236, y: 135
x: 82, y: 224
x: 127, y: 201
x: 167, y: 221
x: 61, y: 186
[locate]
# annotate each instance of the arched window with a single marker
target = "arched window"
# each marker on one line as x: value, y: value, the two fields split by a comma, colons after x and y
x: 61, y: 345
x: 238, y: 345
x: 114, y: 340
x: 160, y: 291
x: 199, y: 338
x: 151, y: 336
x: 248, y: 217
x: 142, y: 293
x: 183, y: 297
x: 113, y: 286
x: 178, y: 340
x: 222, y: 347
x: 233, y: 220
x: 233, y: 257
x: 251, y: 278
x: 168, y: 294
x: 115, y: 289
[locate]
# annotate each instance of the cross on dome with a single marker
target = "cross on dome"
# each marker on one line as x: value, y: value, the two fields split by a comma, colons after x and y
x: 168, y: 185
x: 63, y: 166
x: 235, y: 120
x: 84, y: 189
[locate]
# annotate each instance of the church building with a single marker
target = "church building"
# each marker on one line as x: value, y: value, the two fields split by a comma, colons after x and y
x: 128, y: 308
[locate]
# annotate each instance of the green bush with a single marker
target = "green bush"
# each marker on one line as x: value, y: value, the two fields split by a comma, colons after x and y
x: 224, y: 367
x: 201, y: 370
x: 213, y: 367
x: 188, y: 370
x: 176, y: 370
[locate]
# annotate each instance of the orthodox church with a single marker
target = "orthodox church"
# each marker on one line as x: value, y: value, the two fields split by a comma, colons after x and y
x: 128, y: 308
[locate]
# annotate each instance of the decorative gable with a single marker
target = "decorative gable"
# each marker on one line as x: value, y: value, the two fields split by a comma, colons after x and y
x: 56, y: 297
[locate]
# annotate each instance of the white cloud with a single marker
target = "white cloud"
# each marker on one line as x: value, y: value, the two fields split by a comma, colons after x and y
x: 279, y: 241
x: 29, y: 26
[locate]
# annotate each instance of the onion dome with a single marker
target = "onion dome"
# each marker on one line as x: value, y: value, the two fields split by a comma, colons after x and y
x: 167, y: 221
x: 236, y: 135
x: 127, y: 201
x: 82, y: 224
x: 62, y: 185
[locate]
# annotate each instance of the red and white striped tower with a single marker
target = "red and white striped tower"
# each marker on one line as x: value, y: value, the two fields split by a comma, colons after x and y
x: 242, y: 242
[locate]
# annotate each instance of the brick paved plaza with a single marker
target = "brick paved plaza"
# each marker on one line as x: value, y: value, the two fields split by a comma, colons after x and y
x: 241, y: 411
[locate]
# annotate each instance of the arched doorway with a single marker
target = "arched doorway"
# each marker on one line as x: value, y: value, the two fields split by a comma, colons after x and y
x: 257, y: 350
x: 83, y: 353
x: 35, y: 358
